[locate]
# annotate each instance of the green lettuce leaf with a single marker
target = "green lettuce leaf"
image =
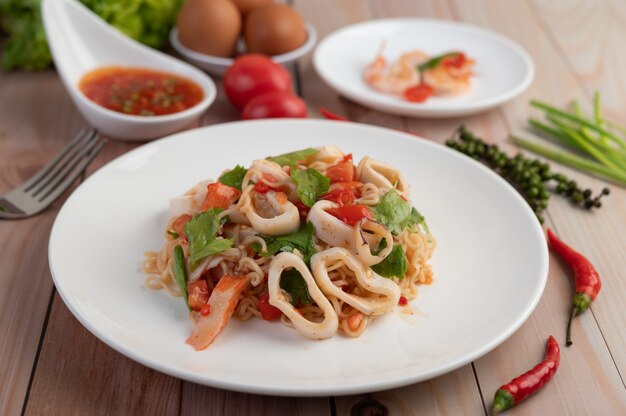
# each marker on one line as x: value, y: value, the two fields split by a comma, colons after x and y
x: 201, y: 232
x: 302, y: 240
x: 180, y: 272
x: 234, y: 177
x: 394, y: 265
x: 290, y: 159
x: 292, y: 282
x: 310, y: 184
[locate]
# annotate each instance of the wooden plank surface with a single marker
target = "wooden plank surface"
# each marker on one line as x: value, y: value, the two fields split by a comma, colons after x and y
x: 51, y: 364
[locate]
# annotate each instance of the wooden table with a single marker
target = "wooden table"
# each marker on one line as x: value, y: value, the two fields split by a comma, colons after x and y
x: 50, y: 364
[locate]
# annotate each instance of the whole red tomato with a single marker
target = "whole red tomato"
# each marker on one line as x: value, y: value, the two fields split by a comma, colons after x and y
x: 274, y: 105
x: 252, y: 75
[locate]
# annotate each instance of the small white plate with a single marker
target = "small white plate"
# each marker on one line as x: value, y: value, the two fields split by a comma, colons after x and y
x: 503, y: 69
x: 490, y: 265
x: 216, y: 65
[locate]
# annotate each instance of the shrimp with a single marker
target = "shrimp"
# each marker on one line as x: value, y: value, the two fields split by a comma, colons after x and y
x: 396, y: 80
x: 450, y: 79
x: 222, y: 304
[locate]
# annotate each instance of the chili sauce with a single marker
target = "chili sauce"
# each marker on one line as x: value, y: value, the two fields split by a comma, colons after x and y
x: 140, y: 91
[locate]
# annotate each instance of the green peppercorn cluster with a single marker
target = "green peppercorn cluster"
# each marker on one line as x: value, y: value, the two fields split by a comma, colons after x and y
x: 529, y: 176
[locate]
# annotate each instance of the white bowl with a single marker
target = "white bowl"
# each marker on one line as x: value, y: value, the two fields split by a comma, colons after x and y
x: 503, y: 69
x: 216, y: 65
x: 80, y: 42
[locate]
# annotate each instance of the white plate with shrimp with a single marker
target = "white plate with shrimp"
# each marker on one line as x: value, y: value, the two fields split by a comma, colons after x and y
x: 358, y: 62
x: 490, y: 265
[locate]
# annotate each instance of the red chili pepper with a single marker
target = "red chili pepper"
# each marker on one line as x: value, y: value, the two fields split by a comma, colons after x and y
x: 332, y: 116
x: 586, y: 278
x: 530, y: 382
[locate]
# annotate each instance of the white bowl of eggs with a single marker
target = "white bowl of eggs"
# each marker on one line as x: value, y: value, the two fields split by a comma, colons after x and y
x: 210, y: 34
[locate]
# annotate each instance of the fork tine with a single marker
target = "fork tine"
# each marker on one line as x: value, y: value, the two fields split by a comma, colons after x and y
x: 62, y: 168
x: 68, y: 167
x: 49, y: 168
x: 70, y: 177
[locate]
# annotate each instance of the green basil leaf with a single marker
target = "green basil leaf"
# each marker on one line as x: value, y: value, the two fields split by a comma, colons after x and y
x: 201, y: 232
x: 292, y: 282
x: 394, y: 265
x: 302, y: 240
x: 417, y: 218
x: 310, y: 184
x: 432, y: 63
x: 234, y: 177
x: 180, y: 272
x: 290, y: 159
x: 393, y: 211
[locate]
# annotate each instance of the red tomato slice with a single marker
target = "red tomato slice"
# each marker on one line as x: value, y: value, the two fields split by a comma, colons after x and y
x: 219, y: 196
x: 342, y: 171
x: 268, y: 312
x: 418, y: 93
x: 198, y: 294
x: 351, y: 214
x: 340, y: 196
x: 457, y: 60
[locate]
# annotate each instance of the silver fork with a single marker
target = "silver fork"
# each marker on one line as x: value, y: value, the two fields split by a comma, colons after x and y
x: 45, y: 186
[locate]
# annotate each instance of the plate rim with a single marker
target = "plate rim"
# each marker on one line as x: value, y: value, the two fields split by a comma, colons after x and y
x: 414, y: 110
x: 294, y: 391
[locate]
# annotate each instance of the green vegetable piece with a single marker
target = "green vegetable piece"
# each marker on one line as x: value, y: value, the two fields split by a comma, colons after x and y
x: 394, y: 265
x: 180, y: 272
x: 302, y: 240
x: 290, y: 159
x: 310, y: 184
x: 434, y: 62
x: 417, y: 218
x: 201, y: 232
x: 292, y: 282
x: 395, y: 213
x: 234, y: 177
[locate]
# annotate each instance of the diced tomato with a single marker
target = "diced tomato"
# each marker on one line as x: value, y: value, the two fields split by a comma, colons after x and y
x: 269, y: 178
x: 346, y: 186
x: 198, y: 294
x: 340, y: 196
x: 402, y: 301
x: 342, y: 171
x: 205, y: 310
x: 220, y: 196
x: 178, y: 226
x: 457, y: 60
x: 351, y: 214
x: 268, y: 312
x: 418, y: 93
x: 302, y: 209
x: 261, y: 187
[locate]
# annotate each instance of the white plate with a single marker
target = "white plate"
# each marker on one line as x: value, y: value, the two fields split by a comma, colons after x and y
x: 503, y: 69
x: 490, y: 265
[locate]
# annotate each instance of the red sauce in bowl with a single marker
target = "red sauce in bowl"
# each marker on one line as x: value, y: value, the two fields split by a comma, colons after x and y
x: 140, y: 91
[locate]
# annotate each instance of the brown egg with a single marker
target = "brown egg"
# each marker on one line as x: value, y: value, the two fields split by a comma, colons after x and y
x: 211, y: 27
x: 245, y: 6
x: 274, y: 29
